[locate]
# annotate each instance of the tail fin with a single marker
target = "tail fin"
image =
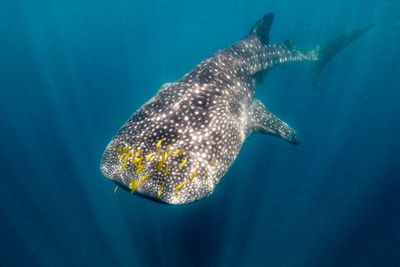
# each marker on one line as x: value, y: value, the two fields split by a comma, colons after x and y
x: 261, y: 29
x: 327, y: 51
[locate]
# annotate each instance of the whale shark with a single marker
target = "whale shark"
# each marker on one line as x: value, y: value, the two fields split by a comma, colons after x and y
x: 176, y: 148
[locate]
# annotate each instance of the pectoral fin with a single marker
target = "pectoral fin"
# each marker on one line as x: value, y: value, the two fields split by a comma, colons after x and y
x: 263, y: 121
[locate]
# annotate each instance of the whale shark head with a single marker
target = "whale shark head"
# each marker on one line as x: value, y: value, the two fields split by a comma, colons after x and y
x: 176, y: 147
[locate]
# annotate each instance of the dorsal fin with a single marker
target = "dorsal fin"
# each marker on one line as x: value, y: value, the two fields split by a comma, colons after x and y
x: 261, y: 29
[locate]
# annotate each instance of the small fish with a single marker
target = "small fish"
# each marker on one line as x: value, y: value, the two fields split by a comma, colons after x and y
x: 115, y: 190
x: 168, y: 154
x: 166, y: 170
x: 139, y: 168
x: 160, y: 190
x: 123, y: 167
x: 138, y: 153
x: 176, y: 153
x: 119, y: 148
x: 122, y: 152
x: 159, y: 165
x: 159, y: 143
x: 164, y: 156
x: 133, y: 185
x: 179, y: 187
x: 183, y: 163
x: 143, y: 178
x: 127, y: 155
x: 206, y: 173
x: 213, y: 161
x: 136, y: 161
x: 194, y: 174
x: 149, y: 156
x: 162, y: 161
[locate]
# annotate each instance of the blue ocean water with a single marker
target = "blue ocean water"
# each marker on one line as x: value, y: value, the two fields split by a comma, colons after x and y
x: 72, y: 72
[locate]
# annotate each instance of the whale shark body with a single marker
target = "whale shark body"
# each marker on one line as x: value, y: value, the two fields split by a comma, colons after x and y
x: 178, y: 145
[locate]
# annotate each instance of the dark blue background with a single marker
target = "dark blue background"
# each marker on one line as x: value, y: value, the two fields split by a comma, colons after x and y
x: 71, y: 73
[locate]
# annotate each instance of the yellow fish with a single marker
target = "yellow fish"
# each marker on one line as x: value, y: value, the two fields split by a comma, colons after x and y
x: 143, y: 178
x: 138, y: 153
x: 149, y: 156
x: 133, y: 185
x: 177, y: 152
x: 179, y: 187
x: 159, y: 165
x: 119, y: 148
x: 129, y: 154
x: 213, y: 161
x: 161, y: 162
x: 123, y: 167
x: 122, y: 152
x: 194, y: 174
x: 183, y: 163
x: 166, y: 170
x: 139, y: 168
x: 160, y: 190
x: 159, y: 143
x: 136, y: 161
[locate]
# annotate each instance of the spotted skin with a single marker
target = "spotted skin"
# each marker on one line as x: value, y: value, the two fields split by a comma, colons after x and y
x: 191, y: 131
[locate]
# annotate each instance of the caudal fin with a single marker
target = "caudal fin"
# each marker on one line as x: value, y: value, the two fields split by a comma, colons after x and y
x: 322, y: 54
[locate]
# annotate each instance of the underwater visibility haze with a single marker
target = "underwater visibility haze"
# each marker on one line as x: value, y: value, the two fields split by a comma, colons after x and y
x: 72, y: 72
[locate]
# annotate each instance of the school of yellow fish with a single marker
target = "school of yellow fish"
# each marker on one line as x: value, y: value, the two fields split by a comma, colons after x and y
x: 130, y: 158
